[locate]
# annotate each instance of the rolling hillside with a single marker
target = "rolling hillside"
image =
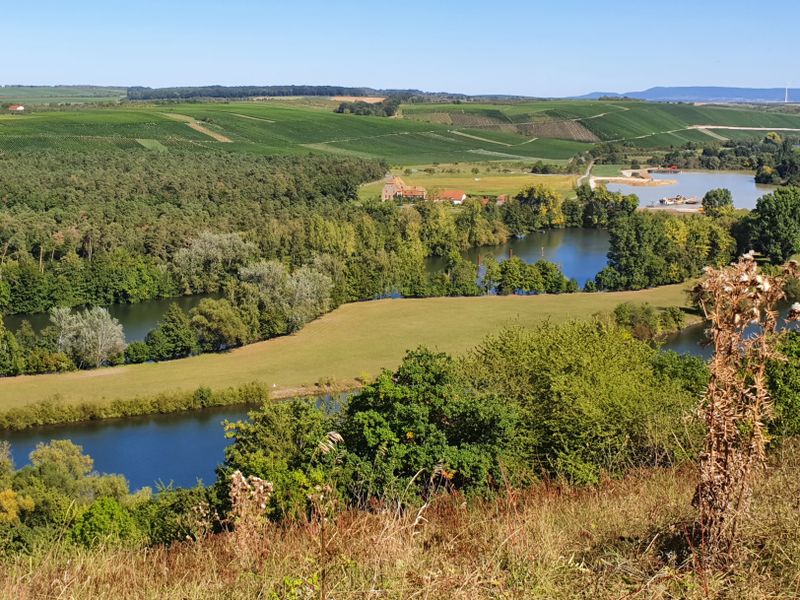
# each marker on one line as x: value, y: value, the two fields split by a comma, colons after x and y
x: 527, y: 131
x: 647, y: 125
x: 279, y: 127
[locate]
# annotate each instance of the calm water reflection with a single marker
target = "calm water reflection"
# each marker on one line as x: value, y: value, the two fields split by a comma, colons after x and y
x: 744, y: 188
x: 137, y: 319
x: 581, y: 253
x: 179, y: 448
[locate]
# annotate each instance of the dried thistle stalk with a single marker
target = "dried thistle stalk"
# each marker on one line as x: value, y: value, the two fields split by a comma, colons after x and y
x: 737, y: 407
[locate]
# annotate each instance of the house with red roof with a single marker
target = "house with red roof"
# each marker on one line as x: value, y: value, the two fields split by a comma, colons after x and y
x: 454, y: 196
x: 397, y: 188
x: 16, y: 108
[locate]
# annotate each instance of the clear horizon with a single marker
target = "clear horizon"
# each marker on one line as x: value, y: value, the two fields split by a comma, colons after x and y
x: 511, y: 47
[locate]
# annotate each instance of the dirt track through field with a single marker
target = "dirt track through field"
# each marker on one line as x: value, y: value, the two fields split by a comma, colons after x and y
x: 194, y: 124
x: 475, y: 137
x: 710, y: 133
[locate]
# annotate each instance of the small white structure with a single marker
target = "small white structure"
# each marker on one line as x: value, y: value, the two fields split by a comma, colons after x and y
x: 16, y: 108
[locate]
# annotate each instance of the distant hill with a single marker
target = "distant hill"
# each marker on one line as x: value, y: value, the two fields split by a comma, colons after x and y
x: 703, y: 94
x: 250, y: 91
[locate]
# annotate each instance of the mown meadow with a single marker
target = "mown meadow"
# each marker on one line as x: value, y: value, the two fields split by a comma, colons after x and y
x: 354, y: 340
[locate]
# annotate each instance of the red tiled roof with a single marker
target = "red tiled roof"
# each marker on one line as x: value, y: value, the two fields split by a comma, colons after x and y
x: 452, y: 195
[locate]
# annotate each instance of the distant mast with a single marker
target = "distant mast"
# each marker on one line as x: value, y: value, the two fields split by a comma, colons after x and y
x: 786, y: 96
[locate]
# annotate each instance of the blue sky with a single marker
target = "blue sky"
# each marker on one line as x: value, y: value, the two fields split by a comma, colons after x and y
x: 556, y: 48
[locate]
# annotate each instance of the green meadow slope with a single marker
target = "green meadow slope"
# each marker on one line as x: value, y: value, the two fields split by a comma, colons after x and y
x: 424, y: 133
x: 279, y: 127
x: 354, y: 339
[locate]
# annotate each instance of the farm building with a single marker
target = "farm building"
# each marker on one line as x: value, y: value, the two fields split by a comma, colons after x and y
x: 454, y: 196
x: 502, y: 199
x: 16, y: 108
x: 397, y: 188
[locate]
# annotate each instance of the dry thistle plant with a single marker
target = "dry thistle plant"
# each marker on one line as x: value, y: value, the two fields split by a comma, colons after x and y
x: 741, y: 307
x: 249, y: 498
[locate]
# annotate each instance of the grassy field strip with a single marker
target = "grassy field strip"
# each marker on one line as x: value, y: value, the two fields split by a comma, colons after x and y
x: 490, y: 184
x: 710, y: 133
x: 737, y: 128
x: 475, y: 137
x: 380, y: 135
x: 355, y: 339
x: 197, y: 126
x: 152, y: 145
x: 252, y: 118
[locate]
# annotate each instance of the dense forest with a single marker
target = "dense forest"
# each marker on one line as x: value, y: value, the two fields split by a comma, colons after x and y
x: 386, y: 108
x: 281, y: 241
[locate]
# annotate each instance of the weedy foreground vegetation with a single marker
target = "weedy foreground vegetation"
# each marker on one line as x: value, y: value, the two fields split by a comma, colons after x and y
x: 621, y: 539
x: 558, y: 461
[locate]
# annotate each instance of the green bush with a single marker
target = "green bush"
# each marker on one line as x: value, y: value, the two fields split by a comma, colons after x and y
x: 589, y: 396
x: 422, y: 423
x: 137, y: 352
x: 105, y: 522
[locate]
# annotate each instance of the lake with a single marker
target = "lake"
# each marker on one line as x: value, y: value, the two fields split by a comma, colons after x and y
x: 743, y: 187
x: 581, y: 253
x: 137, y: 319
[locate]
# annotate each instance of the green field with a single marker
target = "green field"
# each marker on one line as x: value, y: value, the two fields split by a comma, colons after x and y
x: 60, y: 94
x: 644, y: 124
x: 484, y: 182
x: 274, y: 127
x: 354, y: 339
x: 426, y: 133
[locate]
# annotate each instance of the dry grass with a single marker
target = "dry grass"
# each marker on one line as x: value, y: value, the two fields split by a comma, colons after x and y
x: 622, y: 539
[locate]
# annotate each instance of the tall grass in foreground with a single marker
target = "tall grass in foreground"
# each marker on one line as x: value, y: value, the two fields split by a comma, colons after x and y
x: 620, y: 539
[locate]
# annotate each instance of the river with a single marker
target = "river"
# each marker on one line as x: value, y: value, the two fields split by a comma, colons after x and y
x: 179, y: 449
x: 581, y: 253
x: 183, y: 448
x: 136, y: 319
x: 690, y: 184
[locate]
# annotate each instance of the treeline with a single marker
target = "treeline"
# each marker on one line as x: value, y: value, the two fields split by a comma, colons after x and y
x: 652, y: 248
x: 97, y: 229
x: 773, y: 158
x: 385, y: 108
x: 263, y: 301
x: 539, y: 207
x: 249, y: 91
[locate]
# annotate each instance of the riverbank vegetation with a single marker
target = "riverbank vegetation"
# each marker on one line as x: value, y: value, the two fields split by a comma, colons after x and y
x: 511, y: 410
x: 574, y: 438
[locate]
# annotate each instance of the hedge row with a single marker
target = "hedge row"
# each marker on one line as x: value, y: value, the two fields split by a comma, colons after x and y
x: 52, y: 412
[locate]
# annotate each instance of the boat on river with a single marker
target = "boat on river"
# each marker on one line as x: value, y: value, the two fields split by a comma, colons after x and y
x: 678, y: 200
